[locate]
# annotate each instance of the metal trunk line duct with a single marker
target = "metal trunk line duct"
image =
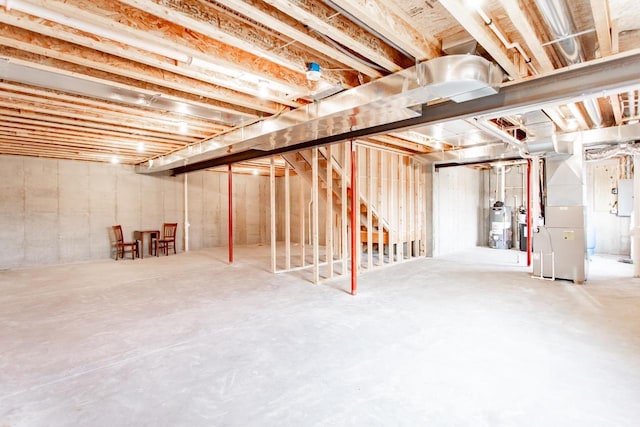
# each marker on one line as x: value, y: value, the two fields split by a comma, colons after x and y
x: 556, y: 15
x: 386, y: 100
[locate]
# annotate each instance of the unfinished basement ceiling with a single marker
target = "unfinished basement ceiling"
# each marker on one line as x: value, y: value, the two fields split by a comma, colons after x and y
x: 136, y: 80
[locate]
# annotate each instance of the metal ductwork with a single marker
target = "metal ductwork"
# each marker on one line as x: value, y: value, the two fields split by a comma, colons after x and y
x: 557, y: 17
x: 389, y: 99
x: 618, y: 150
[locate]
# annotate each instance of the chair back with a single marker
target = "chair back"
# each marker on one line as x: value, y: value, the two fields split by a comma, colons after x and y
x: 169, y: 230
x: 117, y: 231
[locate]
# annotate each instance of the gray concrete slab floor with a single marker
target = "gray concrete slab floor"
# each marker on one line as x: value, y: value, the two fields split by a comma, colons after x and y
x: 186, y: 340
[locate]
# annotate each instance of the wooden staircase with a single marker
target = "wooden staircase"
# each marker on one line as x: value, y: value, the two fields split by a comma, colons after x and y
x: 300, y: 161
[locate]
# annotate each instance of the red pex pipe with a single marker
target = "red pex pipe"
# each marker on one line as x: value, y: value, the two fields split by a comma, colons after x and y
x: 354, y: 239
x: 230, y: 179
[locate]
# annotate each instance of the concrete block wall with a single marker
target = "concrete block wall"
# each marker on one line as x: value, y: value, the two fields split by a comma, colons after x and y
x: 208, y: 209
x: 60, y: 211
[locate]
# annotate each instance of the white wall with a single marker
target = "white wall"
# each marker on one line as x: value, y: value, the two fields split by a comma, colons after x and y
x: 59, y: 211
x: 457, y: 203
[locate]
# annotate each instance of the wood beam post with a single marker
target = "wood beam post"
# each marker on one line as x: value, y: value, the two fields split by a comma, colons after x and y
x: 329, y: 219
x: 354, y: 214
x: 272, y: 192
x: 314, y: 198
x: 230, y: 198
x: 287, y: 215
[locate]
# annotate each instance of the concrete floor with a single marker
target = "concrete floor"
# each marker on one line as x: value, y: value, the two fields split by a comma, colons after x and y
x: 188, y: 341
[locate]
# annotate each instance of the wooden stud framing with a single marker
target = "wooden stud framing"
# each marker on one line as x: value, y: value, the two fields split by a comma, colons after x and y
x: 287, y: 216
x: 314, y: 199
x: 412, y: 212
x: 381, y: 207
x: 393, y: 208
x: 344, y: 220
x: 329, y: 214
x: 402, y: 236
x: 272, y: 191
x: 369, y: 172
x: 302, y: 220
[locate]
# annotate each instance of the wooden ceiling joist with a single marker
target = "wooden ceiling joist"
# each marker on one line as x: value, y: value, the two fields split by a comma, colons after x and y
x: 92, y: 111
x: 213, y: 22
x: 474, y: 25
x: 67, y: 58
x: 326, y: 21
x: 284, y: 24
x: 383, y: 16
x: 137, y: 24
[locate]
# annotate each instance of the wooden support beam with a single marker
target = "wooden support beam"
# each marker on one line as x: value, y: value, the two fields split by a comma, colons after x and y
x: 324, y: 20
x: 207, y: 19
x: 344, y: 220
x: 381, y: 206
x: 602, y: 21
x: 230, y: 211
x: 163, y: 32
x: 522, y: 23
x: 383, y: 17
x: 412, y: 213
x: 369, y: 173
x: 402, y: 223
x: 426, y: 194
x: 301, y: 206
x: 47, y: 53
x: 198, y: 128
x: 329, y: 214
x: 272, y: 193
x: 393, y: 207
x: 287, y: 216
x: 474, y: 25
x: 356, y: 151
x: 355, y: 227
x: 315, y: 232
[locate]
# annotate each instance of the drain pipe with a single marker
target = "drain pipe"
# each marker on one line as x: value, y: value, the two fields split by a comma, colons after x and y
x: 556, y: 14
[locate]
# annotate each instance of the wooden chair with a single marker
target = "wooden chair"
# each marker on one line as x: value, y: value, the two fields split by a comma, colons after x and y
x: 168, y: 238
x: 122, y: 247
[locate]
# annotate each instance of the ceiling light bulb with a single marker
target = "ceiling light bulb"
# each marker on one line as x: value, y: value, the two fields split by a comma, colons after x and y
x: 255, y: 171
x: 115, y: 160
x: 141, y: 147
x: 183, y: 127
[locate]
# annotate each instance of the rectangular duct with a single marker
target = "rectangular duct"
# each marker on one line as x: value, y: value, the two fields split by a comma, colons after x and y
x: 389, y: 99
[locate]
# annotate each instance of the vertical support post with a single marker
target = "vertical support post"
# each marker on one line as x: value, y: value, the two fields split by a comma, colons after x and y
x: 230, y: 198
x: 329, y: 219
x: 369, y: 172
x: 186, y: 215
x: 272, y: 192
x: 343, y: 216
x: 287, y: 215
x: 302, y: 220
x: 380, y: 208
x: 402, y: 209
x: 393, y: 205
x: 529, y: 214
x: 635, y: 231
x: 412, y: 210
x: 314, y: 227
x: 354, y: 231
